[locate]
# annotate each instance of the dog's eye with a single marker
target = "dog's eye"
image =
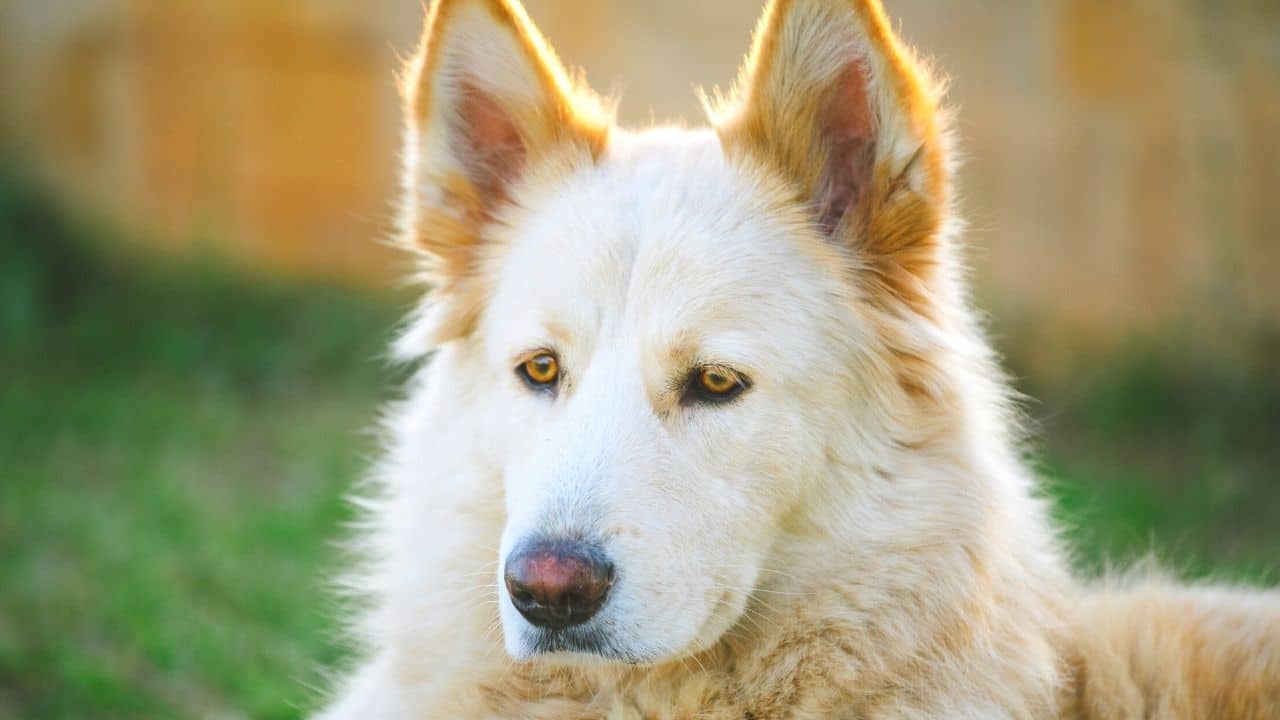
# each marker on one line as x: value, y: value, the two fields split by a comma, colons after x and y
x: 540, y: 371
x: 715, y: 383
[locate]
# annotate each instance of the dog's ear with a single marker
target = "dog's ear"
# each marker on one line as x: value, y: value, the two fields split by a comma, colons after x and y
x: 833, y: 100
x: 486, y: 101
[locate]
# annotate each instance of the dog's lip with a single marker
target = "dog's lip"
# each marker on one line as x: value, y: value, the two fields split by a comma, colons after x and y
x: 590, y: 644
x: 580, y: 643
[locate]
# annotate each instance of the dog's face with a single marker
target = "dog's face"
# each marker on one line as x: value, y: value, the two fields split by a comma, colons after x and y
x: 658, y: 333
x: 672, y: 323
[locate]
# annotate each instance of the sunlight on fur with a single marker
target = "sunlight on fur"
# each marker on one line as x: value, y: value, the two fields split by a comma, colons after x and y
x: 709, y: 429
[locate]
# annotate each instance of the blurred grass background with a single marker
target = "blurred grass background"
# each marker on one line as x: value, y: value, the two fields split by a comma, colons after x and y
x: 193, y: 305
x: 174, y: 442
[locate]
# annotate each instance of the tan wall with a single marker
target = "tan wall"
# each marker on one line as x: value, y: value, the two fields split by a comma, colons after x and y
x: 1123, y: 156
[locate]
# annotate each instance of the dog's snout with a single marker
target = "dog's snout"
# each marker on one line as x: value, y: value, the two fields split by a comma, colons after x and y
x: 556, y: 584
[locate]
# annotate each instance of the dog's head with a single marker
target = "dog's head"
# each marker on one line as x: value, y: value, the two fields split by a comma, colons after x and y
x: 677, y: 331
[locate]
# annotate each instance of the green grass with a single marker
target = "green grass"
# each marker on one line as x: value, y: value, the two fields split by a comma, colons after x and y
x: 175, y: 440
x: 1162, y: 451
x: 174, y: 443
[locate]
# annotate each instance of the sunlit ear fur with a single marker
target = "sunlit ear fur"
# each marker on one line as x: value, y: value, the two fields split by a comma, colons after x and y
x: 833, y: 100
x: 486, y: 103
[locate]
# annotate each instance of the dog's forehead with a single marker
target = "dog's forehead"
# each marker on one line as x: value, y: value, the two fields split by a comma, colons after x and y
x: 664, y: 229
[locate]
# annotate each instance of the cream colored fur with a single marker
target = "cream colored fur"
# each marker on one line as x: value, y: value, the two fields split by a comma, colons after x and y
x: 854, y: 537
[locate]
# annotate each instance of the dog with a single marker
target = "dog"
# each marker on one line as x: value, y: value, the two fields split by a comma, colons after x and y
x: 707, y: 427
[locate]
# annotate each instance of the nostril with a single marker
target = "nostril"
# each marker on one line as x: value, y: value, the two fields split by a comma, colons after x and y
x: 558, y: 583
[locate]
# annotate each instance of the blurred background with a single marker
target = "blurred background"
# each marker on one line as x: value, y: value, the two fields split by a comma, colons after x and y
x: 194, y: 299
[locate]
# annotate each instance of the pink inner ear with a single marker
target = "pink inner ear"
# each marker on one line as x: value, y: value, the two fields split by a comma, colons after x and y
x: 848, y: 126
x: 488, y: 144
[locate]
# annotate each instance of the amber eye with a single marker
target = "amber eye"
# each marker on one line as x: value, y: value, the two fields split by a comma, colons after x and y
x: 717, y: 384
x: 540, y: 371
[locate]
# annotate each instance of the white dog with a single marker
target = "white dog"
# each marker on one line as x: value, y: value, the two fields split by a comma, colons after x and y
x: 708, y: 428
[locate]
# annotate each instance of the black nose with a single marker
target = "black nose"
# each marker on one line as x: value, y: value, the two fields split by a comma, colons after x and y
x: 556, y: 584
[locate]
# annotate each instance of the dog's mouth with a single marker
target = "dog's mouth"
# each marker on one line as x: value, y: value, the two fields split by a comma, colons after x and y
x: 593, y: 644
x: 582, y: 643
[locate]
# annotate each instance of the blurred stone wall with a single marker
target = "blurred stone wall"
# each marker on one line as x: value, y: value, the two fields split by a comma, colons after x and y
x: 1122, y: 157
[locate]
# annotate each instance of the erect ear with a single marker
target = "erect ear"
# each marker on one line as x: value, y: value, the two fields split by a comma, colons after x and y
x: 834, y: 101
x: 487, y: 102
